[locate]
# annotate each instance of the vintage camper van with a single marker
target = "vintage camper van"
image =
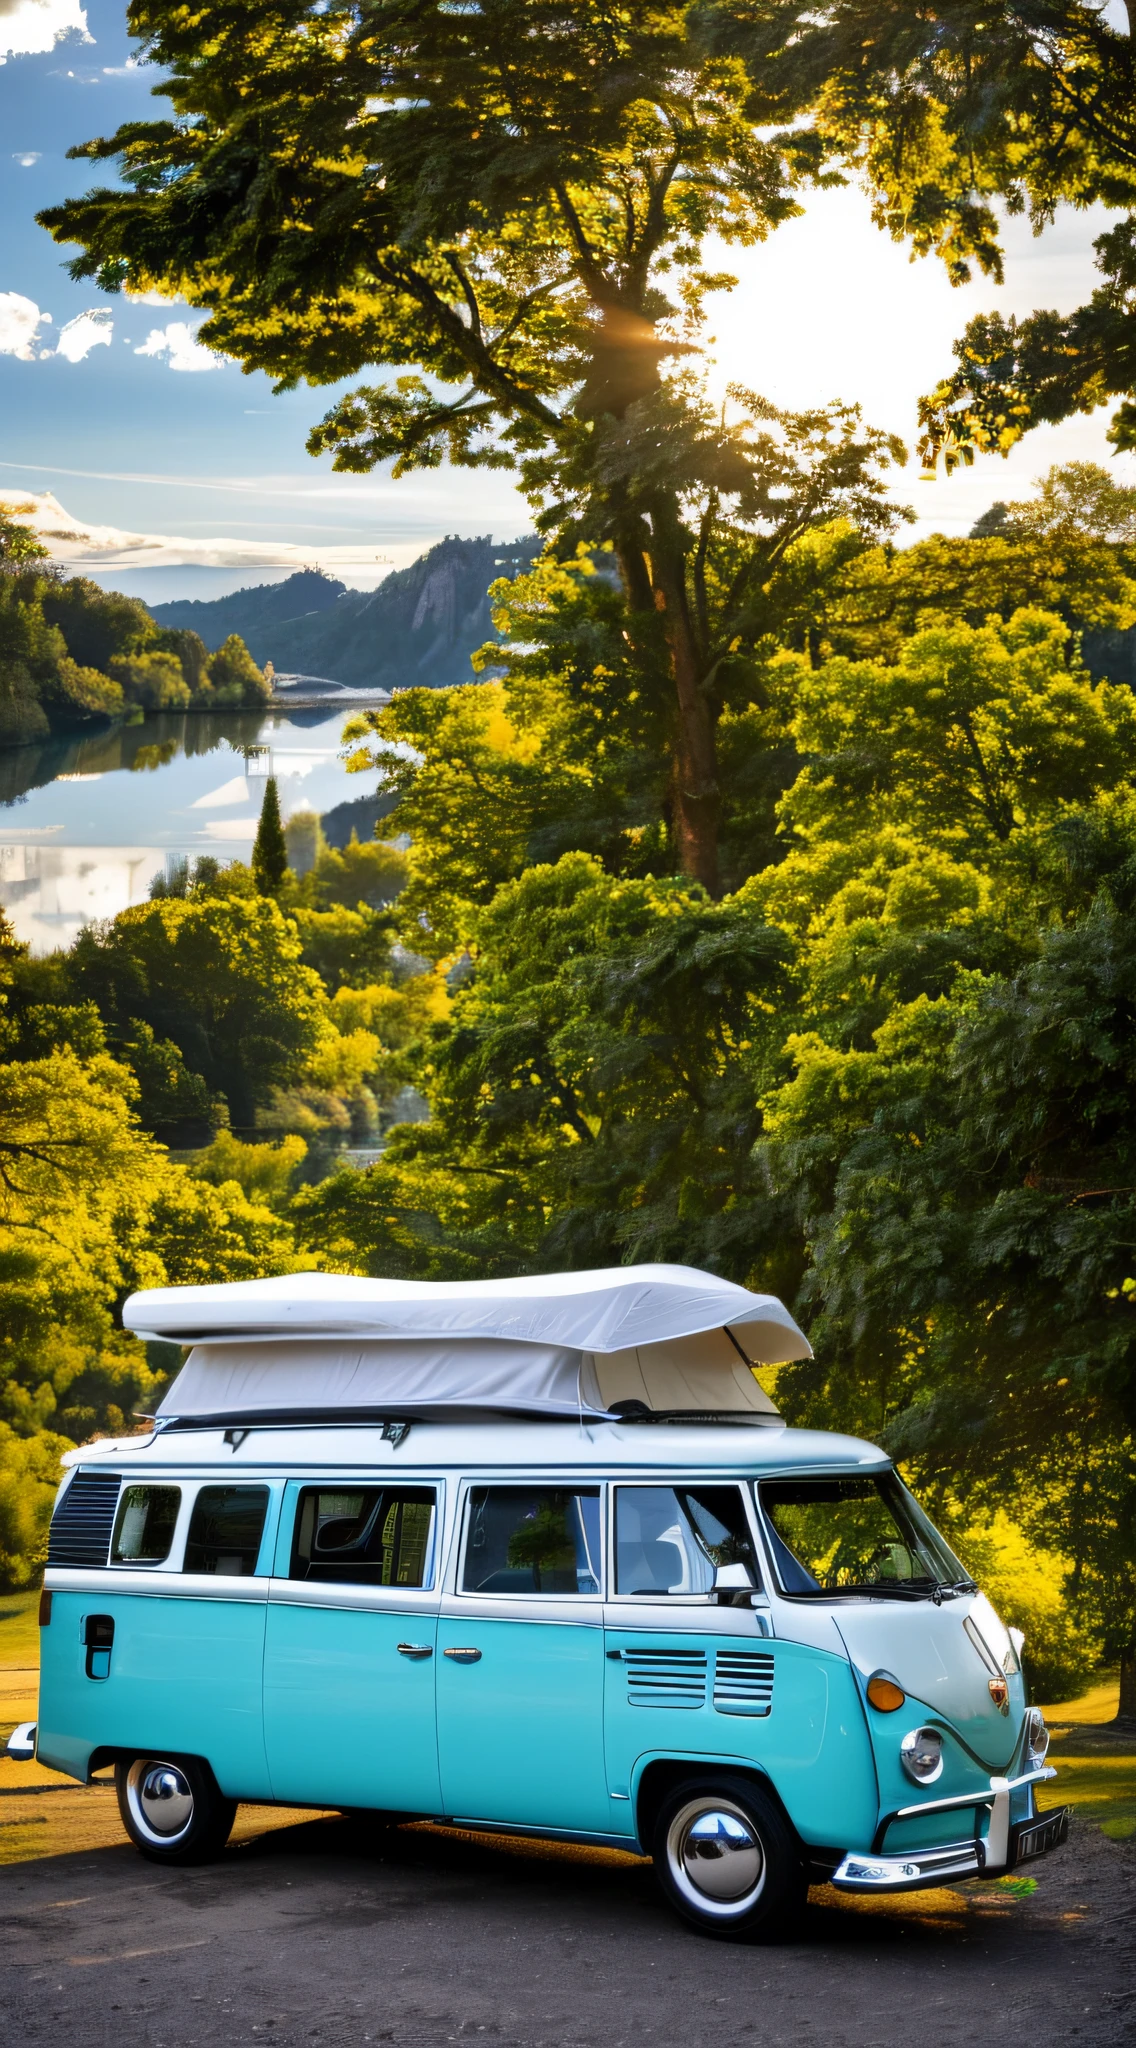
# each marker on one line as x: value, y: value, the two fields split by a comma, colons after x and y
x: 535, y: 1556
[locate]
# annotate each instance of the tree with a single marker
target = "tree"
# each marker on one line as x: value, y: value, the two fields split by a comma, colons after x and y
x: 30, y: 1471
x: 594, y: 1095
x: 966, y: 1186
x: 18, y: 543
x: 1077, y: 504
x: 233, y: 676
x: 512, y: 198
x: 91, y: 1207
x: 944, y: 108
x: 269, y: 853
x: 565, y: 749
x: 972, y: 733
x: 219, y: 977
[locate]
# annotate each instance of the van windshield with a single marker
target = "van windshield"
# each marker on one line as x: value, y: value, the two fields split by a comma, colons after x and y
x: 863, y: 1536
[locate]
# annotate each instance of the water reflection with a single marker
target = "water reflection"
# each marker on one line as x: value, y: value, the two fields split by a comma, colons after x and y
x: 150, y: 743
x: 86, y: 821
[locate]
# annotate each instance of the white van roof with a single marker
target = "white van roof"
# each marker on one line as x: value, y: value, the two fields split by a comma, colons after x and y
x: 487, y: 1443
x: 666, y: 1337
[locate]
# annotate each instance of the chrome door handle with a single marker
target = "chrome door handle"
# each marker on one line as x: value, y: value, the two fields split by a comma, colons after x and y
x: 415, y: 1649
x: 463, y: 1656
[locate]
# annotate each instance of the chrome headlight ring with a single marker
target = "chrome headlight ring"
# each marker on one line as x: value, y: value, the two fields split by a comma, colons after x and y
x: 1037, y: 1737
x: 921, y: 1754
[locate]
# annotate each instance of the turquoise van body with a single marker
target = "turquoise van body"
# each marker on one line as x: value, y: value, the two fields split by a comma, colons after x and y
x: 534, y: 1641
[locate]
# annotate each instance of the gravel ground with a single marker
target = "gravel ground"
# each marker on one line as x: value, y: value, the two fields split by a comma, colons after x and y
x: 330, y: 1934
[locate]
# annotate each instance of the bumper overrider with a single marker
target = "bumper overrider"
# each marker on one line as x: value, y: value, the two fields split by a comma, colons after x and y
x: 1004, y: 1846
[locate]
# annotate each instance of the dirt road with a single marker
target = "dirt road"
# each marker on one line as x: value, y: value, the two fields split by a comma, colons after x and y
x: 327, y: 1934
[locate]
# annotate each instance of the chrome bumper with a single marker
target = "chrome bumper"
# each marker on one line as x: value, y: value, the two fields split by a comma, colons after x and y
x: 21, y: 1745
x: 986, y: 1855
x: 912, y: 1873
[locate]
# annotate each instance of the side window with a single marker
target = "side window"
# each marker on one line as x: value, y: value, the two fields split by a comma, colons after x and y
x: 225, y: 1529
x: 144, y: 1524
x: 528, y: 1539
x: 675, y: 1539
x: 370, y: 1535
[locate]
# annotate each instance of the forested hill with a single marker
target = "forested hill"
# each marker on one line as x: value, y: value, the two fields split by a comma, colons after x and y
x: 420, y: 626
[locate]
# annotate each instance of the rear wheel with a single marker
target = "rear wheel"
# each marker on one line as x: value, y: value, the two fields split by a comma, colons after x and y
x: 727, y: 1859
x: 173, y: 1809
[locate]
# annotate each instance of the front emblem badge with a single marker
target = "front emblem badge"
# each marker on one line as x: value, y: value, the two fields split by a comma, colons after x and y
x: 1000, y: 1694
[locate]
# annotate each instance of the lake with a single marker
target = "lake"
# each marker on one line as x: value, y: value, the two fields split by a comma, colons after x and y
x: 87, y: 821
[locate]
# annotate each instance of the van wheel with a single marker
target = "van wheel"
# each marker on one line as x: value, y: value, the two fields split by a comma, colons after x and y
x: 727, y: 1859
x: 172, y: 1808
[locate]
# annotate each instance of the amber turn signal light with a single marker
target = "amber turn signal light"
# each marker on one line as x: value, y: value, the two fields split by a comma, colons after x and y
x: 884, y: 1694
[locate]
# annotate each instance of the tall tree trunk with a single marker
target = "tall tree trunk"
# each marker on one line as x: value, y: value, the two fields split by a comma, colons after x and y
x: 653, y: 580
x: 695, y: 764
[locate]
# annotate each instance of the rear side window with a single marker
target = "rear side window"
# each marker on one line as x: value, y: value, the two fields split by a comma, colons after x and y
x: 369, y: 1535
x: 144, y: 1525
x: 673, y: 1539
x: 225, y: 1529
x: 532, y: 1540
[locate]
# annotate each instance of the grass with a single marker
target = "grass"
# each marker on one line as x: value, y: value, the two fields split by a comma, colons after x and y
x: 1097, y: 1781
x: 19, y: 1630
x: 1094, y: 1707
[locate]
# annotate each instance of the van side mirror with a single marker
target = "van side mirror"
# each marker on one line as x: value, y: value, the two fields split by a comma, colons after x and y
x: 733, y: 1583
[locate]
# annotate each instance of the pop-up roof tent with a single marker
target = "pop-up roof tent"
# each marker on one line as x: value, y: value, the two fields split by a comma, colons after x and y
x: 322, y: 1346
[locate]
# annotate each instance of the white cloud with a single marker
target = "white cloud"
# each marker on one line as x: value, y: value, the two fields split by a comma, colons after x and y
x: 154, y: 298
x: 26, y: 157
x: 89, y: 330
x: 179, y: 342
x: 232, y: 828
x: 19, y: 319
x: 28, y: 26
x: 234, y: 792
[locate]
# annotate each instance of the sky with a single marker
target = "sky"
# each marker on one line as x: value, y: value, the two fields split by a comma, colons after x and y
x: 199, y: 472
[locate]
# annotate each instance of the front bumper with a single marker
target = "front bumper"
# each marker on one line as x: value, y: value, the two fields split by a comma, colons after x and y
x: 1005, y: 1843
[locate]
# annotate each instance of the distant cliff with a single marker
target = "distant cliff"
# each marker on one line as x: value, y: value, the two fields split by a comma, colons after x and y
x: 420, y: 626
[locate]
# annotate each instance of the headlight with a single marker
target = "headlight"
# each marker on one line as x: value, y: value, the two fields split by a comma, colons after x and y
x: 921, y: 1754
x: 1037, y: 1737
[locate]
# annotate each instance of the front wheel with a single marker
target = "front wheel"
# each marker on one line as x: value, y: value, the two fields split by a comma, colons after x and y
x: 727, y: 1859
x: 173, y: 1809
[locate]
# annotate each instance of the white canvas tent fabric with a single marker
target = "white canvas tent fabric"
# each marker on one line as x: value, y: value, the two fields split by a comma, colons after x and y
x: 336, y: 1377
x: 316, y: 1343
x: 609, y: 1310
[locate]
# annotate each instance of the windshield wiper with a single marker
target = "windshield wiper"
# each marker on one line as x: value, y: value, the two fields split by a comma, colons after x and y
x: 886, y: 1589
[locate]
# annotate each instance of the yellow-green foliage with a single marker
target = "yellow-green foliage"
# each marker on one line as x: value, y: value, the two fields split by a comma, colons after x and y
x: 397, y: 1016
x: 30, y: 1472
x: 153, y: 680
x: 264, y: 1173
x: 1028, y: 1588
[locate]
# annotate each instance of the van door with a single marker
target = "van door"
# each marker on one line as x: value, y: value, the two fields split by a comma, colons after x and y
x: 349, y: 1652
x: 684, y: 1675
x: 520, y: 1665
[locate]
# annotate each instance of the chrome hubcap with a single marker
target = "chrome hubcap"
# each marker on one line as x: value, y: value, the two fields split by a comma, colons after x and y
x: 716, y: 1857
x: 162, y: 1799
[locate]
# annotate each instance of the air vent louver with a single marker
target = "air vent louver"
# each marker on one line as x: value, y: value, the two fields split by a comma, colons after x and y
x: 665, y: 1678
x: 743, y: 1682
x: 82, y: 1523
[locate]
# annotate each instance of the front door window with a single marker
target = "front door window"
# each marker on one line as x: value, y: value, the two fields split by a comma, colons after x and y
x: 673, y: 1540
